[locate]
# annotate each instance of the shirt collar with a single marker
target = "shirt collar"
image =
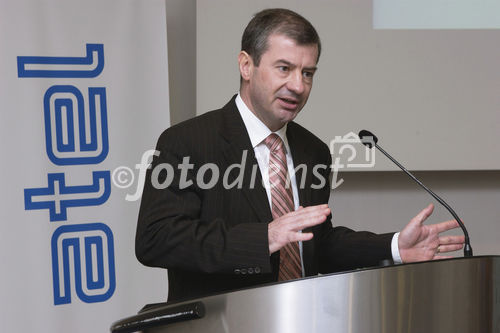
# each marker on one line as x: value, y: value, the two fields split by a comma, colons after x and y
x: 257, y: 130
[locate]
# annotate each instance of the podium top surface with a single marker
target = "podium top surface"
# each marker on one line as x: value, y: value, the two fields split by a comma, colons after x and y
x: 420, y: 296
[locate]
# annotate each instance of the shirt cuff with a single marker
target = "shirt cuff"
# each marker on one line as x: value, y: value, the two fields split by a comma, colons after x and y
x: 395, y: 249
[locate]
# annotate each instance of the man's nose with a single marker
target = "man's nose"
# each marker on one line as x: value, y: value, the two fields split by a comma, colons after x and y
x: 295, y: 82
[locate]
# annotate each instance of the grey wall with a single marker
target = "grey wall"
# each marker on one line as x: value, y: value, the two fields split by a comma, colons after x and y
x: 386, y: 201
x: 377, y: 201
x: 432, y: 96
x: 181, y: 38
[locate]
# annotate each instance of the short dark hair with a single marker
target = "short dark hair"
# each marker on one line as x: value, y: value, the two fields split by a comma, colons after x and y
x: 277, y: 21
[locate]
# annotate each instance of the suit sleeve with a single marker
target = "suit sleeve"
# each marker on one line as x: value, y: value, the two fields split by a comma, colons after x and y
x: 171, y: 229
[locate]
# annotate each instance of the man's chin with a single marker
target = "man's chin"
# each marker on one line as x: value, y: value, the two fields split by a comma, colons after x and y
x: 286, y: 115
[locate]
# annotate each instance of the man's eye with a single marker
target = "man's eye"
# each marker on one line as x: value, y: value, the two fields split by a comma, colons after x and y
x: 308, y: 75
x: 283, y: 68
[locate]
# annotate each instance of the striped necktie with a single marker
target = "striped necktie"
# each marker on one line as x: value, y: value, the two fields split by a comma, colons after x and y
x: 282, y: 203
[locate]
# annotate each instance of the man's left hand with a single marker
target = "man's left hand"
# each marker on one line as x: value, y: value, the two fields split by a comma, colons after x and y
x: 419, y: 242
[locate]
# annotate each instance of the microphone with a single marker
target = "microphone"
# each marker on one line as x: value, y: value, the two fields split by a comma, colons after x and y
x: 369, y: 139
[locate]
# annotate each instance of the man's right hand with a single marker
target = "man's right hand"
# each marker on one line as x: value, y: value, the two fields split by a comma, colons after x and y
x: 286, y: 229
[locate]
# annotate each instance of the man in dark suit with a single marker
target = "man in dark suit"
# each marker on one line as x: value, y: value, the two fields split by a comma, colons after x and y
x: 238, y: 197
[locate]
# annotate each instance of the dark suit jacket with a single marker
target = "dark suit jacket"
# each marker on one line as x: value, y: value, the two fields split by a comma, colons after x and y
x: 214, y: 239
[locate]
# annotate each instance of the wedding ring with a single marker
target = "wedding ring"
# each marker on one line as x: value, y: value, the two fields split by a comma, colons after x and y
x: 438, y: 249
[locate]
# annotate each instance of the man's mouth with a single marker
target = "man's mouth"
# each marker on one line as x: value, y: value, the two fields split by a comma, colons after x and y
x: 288, y: 103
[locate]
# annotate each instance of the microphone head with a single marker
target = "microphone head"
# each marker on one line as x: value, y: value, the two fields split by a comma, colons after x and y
x: 367, y: 138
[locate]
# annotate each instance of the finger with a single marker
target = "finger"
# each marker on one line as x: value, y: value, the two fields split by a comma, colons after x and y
x: 303, y: 236
x: 294, y: 223
x: 309, y: 212
x: 445, y: 226
x: 450, y: 248
x: 306, y: 210
x: 423, y: 215
x: 445, y: 240
x: 303, y: 221
x: 441, y: 257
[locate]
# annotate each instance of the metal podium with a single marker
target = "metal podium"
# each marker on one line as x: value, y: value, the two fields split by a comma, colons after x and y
x: 455, y: 295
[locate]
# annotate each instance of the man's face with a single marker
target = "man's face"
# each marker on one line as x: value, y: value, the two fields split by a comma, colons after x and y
x: 279, y: 87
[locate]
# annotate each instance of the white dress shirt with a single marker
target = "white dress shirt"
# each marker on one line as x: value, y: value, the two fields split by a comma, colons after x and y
x: 258, y: 132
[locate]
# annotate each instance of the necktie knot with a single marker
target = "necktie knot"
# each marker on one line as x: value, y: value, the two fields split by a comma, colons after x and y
x: 274, y: 142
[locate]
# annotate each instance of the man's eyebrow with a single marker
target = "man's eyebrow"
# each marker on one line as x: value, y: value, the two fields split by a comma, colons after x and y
x: 288, y: 63
x: 283, y: 61
x: 311, y: 68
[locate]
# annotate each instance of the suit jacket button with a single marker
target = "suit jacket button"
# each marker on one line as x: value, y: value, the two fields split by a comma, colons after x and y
x: 243, y: 271
x: 250, y: 270
x: 236, y: 271
x: 257, y: 270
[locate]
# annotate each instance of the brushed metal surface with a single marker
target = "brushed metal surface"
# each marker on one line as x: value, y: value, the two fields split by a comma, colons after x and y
x: 457, y: 295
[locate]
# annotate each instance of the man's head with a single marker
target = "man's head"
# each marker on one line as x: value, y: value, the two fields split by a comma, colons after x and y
x: 280, y: 50
x: 277, y: 21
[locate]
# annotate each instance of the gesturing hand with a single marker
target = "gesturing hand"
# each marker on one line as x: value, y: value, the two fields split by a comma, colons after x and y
x: 286, y: 228
x: 419, y: 242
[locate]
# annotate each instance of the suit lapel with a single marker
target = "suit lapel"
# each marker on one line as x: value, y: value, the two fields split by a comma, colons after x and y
x: 303, y: 163
x: 238, y: 148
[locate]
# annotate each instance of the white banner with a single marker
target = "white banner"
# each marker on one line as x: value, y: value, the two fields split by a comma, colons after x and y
x: 83, y: 94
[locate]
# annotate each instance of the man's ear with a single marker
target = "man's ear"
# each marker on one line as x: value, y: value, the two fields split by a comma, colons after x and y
x: 246, y: 65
